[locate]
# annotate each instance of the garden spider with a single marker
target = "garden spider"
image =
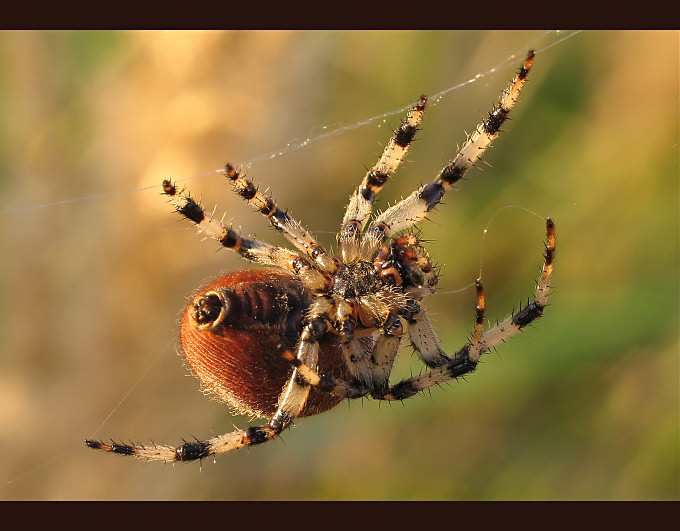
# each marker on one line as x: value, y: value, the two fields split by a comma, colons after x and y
x: 298, y: 337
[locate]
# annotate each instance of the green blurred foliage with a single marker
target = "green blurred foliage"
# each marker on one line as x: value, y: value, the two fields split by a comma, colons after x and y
x: 584, y: 405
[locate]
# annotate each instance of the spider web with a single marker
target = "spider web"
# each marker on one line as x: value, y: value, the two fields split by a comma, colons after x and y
x: 559, y: 36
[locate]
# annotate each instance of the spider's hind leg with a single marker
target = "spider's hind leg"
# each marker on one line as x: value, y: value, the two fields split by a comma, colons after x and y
x: 291, y: 403
x: 466, y: 359
x: 191, y: 451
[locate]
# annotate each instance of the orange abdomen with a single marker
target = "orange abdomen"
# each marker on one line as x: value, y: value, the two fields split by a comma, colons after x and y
x: 234, y: 331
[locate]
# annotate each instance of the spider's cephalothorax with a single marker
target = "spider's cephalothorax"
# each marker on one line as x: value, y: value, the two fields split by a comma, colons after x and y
x: 311, y: 329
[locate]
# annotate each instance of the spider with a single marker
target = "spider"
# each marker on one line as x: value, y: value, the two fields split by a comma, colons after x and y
x: 297, y: 337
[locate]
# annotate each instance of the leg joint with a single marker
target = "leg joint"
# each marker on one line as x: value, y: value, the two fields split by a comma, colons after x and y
x: 532, y: 312
x: 192, y: 451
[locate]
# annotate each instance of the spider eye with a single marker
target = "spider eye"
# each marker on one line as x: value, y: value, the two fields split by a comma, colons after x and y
x: 210, y: 308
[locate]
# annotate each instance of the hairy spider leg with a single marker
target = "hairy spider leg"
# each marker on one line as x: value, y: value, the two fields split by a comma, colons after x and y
x: 190, y: 451
x: 291, y: 403
x: 294, y: 232
x: 295, y: 395
x: 415, y: 207
x: 253, y: 250
x: 360, y: 203
x: 425, y: 342
x: 466, y: 359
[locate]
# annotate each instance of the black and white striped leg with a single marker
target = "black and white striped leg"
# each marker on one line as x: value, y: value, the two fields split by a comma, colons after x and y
x: 281, y: 221
x: 291, y: 403
x: 415, y: 207
x: 381, y: 361
x: 191, y: 451
x: 361, y: 202
x: 367, y: 375
x: 466, y: 359
x: 532, y: 311
x: 254, y: 250
x: 309, y: 376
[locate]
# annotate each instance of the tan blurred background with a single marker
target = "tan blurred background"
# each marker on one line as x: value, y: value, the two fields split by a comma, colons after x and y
x: 582, y: 406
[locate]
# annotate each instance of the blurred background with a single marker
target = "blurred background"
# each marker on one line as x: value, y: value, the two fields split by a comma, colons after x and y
x: 584, y: 405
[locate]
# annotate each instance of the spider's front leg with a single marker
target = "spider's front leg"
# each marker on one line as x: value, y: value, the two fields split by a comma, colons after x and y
x: 361, y: 202
x: 416, y: 207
